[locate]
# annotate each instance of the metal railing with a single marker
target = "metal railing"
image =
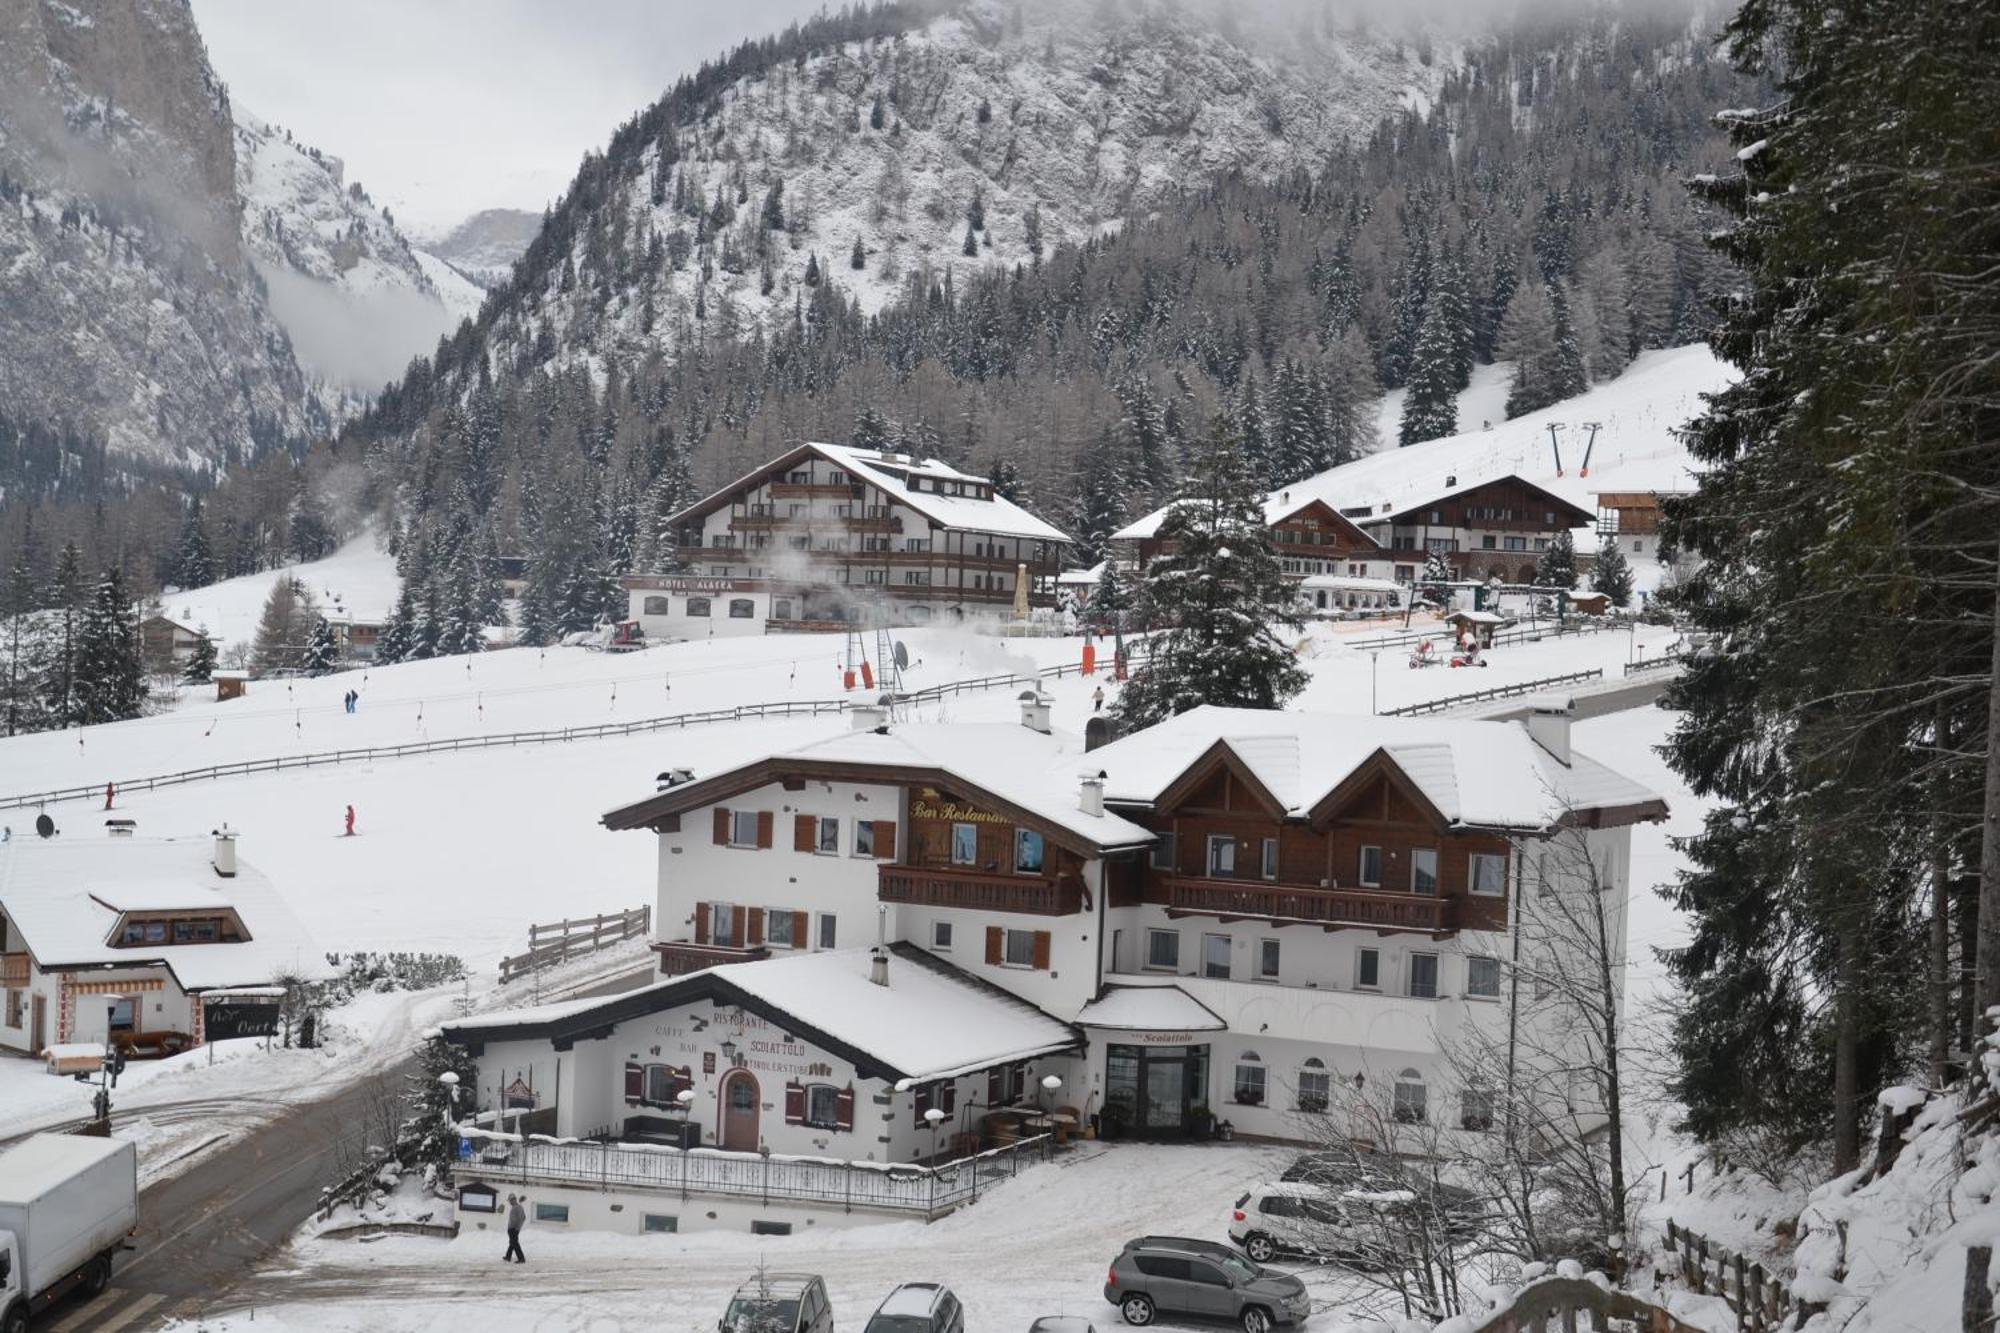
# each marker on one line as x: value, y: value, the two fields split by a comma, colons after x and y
x: 1497, y: 692
x: 928, y: 1191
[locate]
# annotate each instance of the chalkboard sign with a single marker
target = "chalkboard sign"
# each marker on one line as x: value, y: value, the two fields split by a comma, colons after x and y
x: 226, y: 1019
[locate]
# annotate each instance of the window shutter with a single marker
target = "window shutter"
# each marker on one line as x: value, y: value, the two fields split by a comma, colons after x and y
x: 721, y: 827
x: 739, y: 925
x: 795, y: 1103
x: 921, y: 1103
x: 1041, y: 951
x: 802, y: 833
x: 950, y: 1098
x: 765, y: 821
x: 635, y: 1083
x: 799, y: 940
x: 701, y: 914
x: 885, y: 839
x: 995, y: 1088
x: 843, y: 1108
x: 756, y: 935
x: 993, y: 948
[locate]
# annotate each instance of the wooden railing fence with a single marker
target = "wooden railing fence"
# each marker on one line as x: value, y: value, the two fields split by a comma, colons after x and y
x: 558, y: 940
x: 1452, y: 701
x: 1760, y: 1301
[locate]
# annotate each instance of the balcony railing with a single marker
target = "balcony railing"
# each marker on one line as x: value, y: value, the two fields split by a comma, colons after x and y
x: 781, y: 490
x: 14, y: 970
x: 967, y: 888
x: 679, y: 956
x: 1291, y: 902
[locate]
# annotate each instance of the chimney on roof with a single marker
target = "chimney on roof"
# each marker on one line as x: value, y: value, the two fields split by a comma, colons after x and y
x: 673, y: 777
x: 869, y: 717
x: 1090, y: 798
x: 1451, y: 481
x: 878, y: 957
x: 1548, y: 725
x: 224, y: 859
x: 1035, y: 711
x: 121, y: 828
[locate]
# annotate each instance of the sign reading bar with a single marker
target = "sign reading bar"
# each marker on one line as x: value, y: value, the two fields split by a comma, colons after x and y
x: 224, y: 1020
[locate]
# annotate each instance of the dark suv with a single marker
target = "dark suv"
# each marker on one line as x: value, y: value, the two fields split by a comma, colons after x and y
x: 1156, y: 1275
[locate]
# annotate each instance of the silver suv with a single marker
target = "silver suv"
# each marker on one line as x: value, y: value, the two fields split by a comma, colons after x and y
x: 794, y: 1302
x: 1157, y: 1275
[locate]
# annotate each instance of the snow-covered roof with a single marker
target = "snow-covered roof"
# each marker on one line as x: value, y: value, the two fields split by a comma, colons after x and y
x: 1350, y: 583
x: 1477, y: 774
x: 1085, y: 577
x: 65, y: 896
x: 1149, y: 1009
x: 37, y: 1165
x: 1279, y: 505
x: 1037, y: 772
x: 931, y: 1021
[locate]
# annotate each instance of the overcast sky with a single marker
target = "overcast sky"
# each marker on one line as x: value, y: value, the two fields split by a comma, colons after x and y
x: 443, y: 107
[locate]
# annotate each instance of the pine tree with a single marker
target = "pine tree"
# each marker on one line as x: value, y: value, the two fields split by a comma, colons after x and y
x: 194, y: 567
x: 1430, y: 404
x: 1437, y: 568
x: 1612, y: 576
x: 284, y: 628
x: 1111, y: 599
x: 436, y: 1110
x: 1570, y: 378
x: 971, y: 247
x: 1006, y: 479
x: 399, y: 634
x: 110, y: 678
x: 857, y: 258
x: 200, y: 668
x: 1216, y: 599
x: 1557, y: 566
x: 773, y: 215
x: 322, y: 655
x: 65, y: 596
x: 1031, y: 229
x: 1099, y: 509
x: 875, y: 115
x: 308, y: 534
x: 1528, y: 339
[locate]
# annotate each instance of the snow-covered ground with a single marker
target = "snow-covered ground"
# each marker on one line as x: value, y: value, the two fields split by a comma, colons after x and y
x: 358, y: 579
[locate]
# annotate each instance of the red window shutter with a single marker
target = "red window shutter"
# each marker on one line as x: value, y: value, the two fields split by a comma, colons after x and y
x: 795, y: 1103
x: 721, y: 827
x: 996, y: 1090
x: 799, y: 940
x: 1041, y: 951
x: 950, y: 1098
x: 739, y: 925
x: 885, y: 839
x: 701, y: 914
x: 843, y: 1108
x: 921, y: 1103
x: 635, y: 1083
x: 802, y: 833
x: 765, y: 821
x: 994, y: 952
x: 756, y: 935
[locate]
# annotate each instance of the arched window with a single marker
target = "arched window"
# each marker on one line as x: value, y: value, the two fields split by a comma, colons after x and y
x: 1250, y: 1079
x: 742, y: 608
x: 781, y: 608
x: 655, y: 606
x: 1412, y: 1098
x: 697, y: 606
x: 1315, y: 1084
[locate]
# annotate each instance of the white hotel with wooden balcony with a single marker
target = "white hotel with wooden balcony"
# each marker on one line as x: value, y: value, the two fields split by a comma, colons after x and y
x: 1222, y: 917
x: 812, y: 538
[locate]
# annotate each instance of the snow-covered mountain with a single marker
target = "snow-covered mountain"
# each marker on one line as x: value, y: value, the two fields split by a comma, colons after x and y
x: 483, y: 248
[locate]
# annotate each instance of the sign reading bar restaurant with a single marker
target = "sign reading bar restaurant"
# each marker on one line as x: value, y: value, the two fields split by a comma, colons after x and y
x: 953, y: 812
x: 225, y: 1020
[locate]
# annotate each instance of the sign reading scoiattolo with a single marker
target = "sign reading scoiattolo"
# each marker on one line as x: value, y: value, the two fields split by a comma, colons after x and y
x: 224, y: 1020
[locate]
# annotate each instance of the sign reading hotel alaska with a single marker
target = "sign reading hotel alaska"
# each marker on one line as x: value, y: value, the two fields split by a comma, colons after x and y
x: 953, y: 812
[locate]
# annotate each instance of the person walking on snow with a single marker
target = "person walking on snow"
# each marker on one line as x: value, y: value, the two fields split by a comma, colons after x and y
x: 517, y: 1216
x: 350, y: 821
x: 1097, y: 700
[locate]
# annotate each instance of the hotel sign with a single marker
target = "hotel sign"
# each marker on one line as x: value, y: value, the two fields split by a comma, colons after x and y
x: 684, y: 583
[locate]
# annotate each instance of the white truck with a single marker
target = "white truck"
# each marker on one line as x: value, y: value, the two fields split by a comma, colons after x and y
x: 67, y: 1204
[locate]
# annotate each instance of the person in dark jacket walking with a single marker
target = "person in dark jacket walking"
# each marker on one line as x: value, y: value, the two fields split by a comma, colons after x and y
x: 517, y: 1216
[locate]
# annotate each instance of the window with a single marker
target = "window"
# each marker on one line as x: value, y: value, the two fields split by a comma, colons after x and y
x: 697, y: 606
x: 964, y: 844
x: 197, y: 932
x: 1514, y: 544
x: 743, y: 828
x: 1475, y: 1108
x: 1249, y: 1079
x: 1488, y: 544
x: 721, y: 924
x: 913, y: 544
x: 1488, y: 876
x: 1163, y: 950
x: 778, y: 928
x: 14, y: 1008
x: 552, y: 1212
x: 1424, y: 870
x: 1270, y: 862
x: 1482, y: 978
x: 823, y: 1106
x: 1368, y: 969
x: 1215, y: 956
x: 1221, y: 855
x: 827, y: 932
x: 864, y: 837
x: 742, y: 608
x: 759, y: 1227
x: 665, y: 1083
x: 1315, y: 1085
x: 1028, y: 852
x: 828, y: 843
x: 659, y: 1224
x: 655, y: 606
x: 1163, y: 852
x: 1424, y: 976
x: 1371, y: 867
x: 1411, y: 1098
x: 874, y: 576
x: 1638, y: 547
x: 941, y: 935
x: 1019, y: 948
x: 916, y: 577
x: 1267, y: 959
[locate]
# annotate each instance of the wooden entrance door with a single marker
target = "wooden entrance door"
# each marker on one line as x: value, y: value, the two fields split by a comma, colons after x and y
x: 39, y: 1025
x: 739, y: 1111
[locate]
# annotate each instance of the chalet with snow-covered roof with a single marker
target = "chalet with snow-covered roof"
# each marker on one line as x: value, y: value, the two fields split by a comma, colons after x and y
x: 152, y: 942
x: 1311, y: 537
x: 826, y: 533
x: 165, y: 644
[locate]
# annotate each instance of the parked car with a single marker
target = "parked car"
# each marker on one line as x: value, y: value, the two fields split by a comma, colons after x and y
x: 1338, y: 1172
x: 918, y: 1307
x: 1291, y: 1217
x: 1156, y: 1275
x: 795, y: 1302
x: 1062, y: 1323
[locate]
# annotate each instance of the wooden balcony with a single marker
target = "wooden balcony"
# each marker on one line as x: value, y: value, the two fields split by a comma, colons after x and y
x: 1282, y: 903
x: 799, y: 490
x: 679, y: 956
x: 931, y: 887
x: 14, y: 970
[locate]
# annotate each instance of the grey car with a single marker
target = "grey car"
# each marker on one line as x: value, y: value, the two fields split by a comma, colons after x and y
x: 794, y: 1302
x: 1156, y: 1275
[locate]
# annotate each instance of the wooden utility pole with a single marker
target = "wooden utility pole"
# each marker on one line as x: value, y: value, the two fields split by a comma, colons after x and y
x: 1987, y: 990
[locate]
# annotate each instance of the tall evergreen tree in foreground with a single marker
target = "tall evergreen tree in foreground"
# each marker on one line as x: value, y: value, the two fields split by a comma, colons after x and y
x: 1557, y: 566
x: 110, y: 680
x: 1217, y: 600
x: 322, y: 654
x: 1847, y: 513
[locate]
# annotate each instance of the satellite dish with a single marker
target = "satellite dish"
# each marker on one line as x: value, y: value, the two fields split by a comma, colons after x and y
x: 902, y: 656
x: 44, y: 826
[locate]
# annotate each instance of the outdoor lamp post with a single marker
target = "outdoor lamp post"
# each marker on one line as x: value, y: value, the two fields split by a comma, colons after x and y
x: 1050, y: 1083
x: 449, y: 1082
x: 934, y: 1117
